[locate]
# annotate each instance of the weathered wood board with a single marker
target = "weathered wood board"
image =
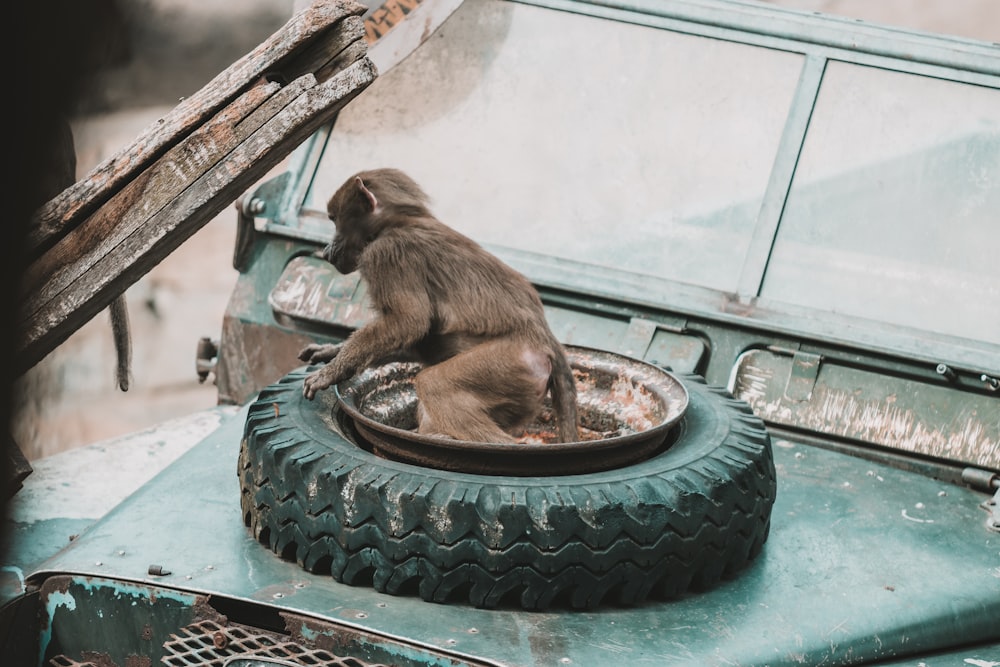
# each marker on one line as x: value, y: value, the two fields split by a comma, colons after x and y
x: 106, y: 231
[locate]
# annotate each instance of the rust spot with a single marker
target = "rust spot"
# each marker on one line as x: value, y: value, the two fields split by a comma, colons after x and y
x: 733, y: 304
x: 203, y: 611
x: 277, y: 411
x: 101, y: 659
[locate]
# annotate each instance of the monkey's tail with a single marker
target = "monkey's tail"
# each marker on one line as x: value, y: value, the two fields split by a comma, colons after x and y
x: 123, y: 341
x: 563, y: 388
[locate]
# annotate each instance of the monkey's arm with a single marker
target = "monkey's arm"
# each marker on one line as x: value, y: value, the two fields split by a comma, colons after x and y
x: 390, y: 336
x: 316, y: 353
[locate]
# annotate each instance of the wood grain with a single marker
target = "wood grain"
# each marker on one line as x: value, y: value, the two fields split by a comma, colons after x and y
x: 303, y: 32
x: 107, y: 231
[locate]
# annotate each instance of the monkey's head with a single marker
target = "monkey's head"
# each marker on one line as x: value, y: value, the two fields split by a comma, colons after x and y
x: 365, y: 206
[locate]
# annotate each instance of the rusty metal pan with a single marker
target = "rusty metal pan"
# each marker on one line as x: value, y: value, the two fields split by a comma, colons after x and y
x: 628, y: 411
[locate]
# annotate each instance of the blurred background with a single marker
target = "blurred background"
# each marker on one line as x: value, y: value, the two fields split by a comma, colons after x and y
x: 161, y: 51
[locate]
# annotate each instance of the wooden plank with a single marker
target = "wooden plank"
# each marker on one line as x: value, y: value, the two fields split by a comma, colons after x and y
x: 348, y: 55
x: 51, y: 322
x: 323, y: 55
x: 131, y: 205
x: 147, y: 194
x: 61, y: 213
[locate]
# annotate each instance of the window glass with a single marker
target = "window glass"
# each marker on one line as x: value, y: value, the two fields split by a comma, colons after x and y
x: 527, y: 131
x: 894, y: 212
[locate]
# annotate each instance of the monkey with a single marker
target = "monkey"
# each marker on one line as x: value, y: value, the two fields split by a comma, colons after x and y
x: 475, y: 324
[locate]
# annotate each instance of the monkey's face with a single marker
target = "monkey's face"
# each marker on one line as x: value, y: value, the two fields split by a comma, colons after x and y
x: 353, y: 235
x: 353, y: 210
x: 344, y: 251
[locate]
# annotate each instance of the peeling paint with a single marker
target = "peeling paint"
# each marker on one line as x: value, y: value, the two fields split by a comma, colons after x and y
x: 53, y: 601
x: 841, y: 413
x: 310, y: 289
x: 751, y: 382
x: 862, y: 405
x: 347, y: 491
x: 394, y: 515
x: 441, y: 520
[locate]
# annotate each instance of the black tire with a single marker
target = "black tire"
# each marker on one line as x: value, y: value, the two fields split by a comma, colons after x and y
x: 683, y: 519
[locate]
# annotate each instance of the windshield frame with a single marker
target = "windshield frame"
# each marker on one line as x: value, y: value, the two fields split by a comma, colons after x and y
x: 821, y: 40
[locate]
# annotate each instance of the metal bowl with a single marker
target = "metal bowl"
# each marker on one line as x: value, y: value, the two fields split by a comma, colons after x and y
x: 628, y: 410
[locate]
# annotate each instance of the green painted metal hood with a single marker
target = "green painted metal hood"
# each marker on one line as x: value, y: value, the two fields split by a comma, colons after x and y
x: 744, y: 248
x: 865, y: 563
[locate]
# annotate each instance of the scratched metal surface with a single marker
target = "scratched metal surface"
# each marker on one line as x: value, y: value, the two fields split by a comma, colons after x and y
x: 918, y: 417
x: 66, y: 493
x: 864, y: 562
x: 310, y: 290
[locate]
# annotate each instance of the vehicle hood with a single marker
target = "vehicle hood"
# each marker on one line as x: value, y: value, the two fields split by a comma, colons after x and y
x: 864, y: 562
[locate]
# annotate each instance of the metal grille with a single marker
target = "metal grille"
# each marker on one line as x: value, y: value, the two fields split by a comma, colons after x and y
x: 208, y: 644
x: 65, y: 661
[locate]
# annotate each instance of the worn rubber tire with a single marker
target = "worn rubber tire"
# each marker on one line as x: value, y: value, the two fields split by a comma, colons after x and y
x: 683, y: 519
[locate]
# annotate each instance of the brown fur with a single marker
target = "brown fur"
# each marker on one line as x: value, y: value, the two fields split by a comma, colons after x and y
x: 476, y: 324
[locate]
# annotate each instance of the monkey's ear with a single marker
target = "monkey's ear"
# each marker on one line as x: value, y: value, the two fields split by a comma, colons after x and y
x: 369, y: 195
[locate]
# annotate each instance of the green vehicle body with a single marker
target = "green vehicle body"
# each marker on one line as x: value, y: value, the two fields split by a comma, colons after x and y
x: 842, y: 283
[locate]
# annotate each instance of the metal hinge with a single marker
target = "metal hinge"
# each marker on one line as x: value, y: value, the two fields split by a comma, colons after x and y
x: 638, y: 337
x: 802, y: 378
x: 993, y: 507
x: 640, y: 333
x: 986, y: 480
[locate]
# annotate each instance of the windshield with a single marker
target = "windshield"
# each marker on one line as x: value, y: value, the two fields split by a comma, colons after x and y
x: 660, y: 167
x: 771, y: 172
x: 897, y: 197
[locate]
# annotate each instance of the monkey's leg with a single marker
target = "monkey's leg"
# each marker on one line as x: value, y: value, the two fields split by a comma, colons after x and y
x: 454, y: 414
x: 483, y: 393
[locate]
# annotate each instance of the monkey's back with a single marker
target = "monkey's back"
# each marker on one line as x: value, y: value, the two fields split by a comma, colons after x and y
x: 470, y: 290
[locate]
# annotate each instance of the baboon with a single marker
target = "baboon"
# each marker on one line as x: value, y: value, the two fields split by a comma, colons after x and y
x: 475, y: 324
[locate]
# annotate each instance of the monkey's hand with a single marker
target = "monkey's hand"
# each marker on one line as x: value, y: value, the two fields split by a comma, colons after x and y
x: 319, y: 380
x: 316, y: 353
